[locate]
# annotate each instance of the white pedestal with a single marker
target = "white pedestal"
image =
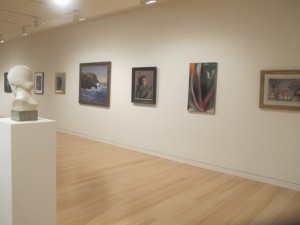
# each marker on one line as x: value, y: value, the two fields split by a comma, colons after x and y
x: 27, y: 172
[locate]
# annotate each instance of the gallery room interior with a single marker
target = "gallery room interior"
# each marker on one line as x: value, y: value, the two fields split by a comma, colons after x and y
x: 130, y: 161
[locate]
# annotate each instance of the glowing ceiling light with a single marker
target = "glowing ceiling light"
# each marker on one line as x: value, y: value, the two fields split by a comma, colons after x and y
x: 147, y: 2
x: 61, y: 2
x: 150, y: 2
x: 24, y: 33
x: 77, y: 17
x: 1, y: 39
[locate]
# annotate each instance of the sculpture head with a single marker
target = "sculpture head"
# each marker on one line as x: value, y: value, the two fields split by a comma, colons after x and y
x: 21, y: 77
x: 21, y: 82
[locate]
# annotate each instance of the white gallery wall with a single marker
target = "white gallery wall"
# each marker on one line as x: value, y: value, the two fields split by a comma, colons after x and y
x: 243, y: 37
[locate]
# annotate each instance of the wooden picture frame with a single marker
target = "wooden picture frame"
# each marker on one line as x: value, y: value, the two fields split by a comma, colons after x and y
x: 7, y: 87
x: 39, y: 83
x: 280, y: 89
x: 94, y: 83
x: 60, y: 83
x: 143, y: 89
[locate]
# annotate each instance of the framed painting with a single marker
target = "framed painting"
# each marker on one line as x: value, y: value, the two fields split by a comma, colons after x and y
x: 280, y: 89
x: 202, y: 87
x: 143, y: 89
x: 39, y: 83
x: 60, y: 83
x: 94, y: 83
x: 7, y: 87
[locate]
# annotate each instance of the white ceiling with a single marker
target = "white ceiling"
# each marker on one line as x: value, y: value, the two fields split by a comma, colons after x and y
x: 16, y: 14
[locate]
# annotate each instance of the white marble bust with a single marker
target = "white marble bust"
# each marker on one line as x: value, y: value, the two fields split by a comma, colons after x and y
x: 21, y: 82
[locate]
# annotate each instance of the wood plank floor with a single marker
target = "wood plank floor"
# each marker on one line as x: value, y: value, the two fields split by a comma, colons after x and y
x: 100, y: 184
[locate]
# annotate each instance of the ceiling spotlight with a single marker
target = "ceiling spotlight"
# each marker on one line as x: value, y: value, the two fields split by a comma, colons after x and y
x: 62, y: 2
x: 77, y: 17
x: 36, y: 23
x: 150, y: 2
x: 24, y: 33
x: 1, y: 39
x: 147, y: 2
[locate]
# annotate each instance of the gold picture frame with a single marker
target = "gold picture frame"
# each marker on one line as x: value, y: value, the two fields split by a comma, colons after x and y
x: 280, y: 89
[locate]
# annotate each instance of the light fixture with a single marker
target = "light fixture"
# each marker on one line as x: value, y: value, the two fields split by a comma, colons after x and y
x: 147, y: 2
x: 150, y: 2
x: 77, y: 17
x: 24, y: 33
x: 61, y: 2
x: 36, y: 23
x: 1, y: 39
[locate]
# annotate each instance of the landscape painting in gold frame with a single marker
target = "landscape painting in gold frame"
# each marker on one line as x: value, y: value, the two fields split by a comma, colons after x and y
x: 280, y: 89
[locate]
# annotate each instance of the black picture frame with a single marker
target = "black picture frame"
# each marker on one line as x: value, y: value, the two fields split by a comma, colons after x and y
x: 143, y: 89
x: 39, y: 83
x: 94, y: 83
x: 7, y: 87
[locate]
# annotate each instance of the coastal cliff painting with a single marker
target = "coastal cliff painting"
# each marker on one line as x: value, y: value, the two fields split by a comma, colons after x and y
x: 94, y: 83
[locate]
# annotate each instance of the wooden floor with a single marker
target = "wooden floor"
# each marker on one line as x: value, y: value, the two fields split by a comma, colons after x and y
x: 100, y: 184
